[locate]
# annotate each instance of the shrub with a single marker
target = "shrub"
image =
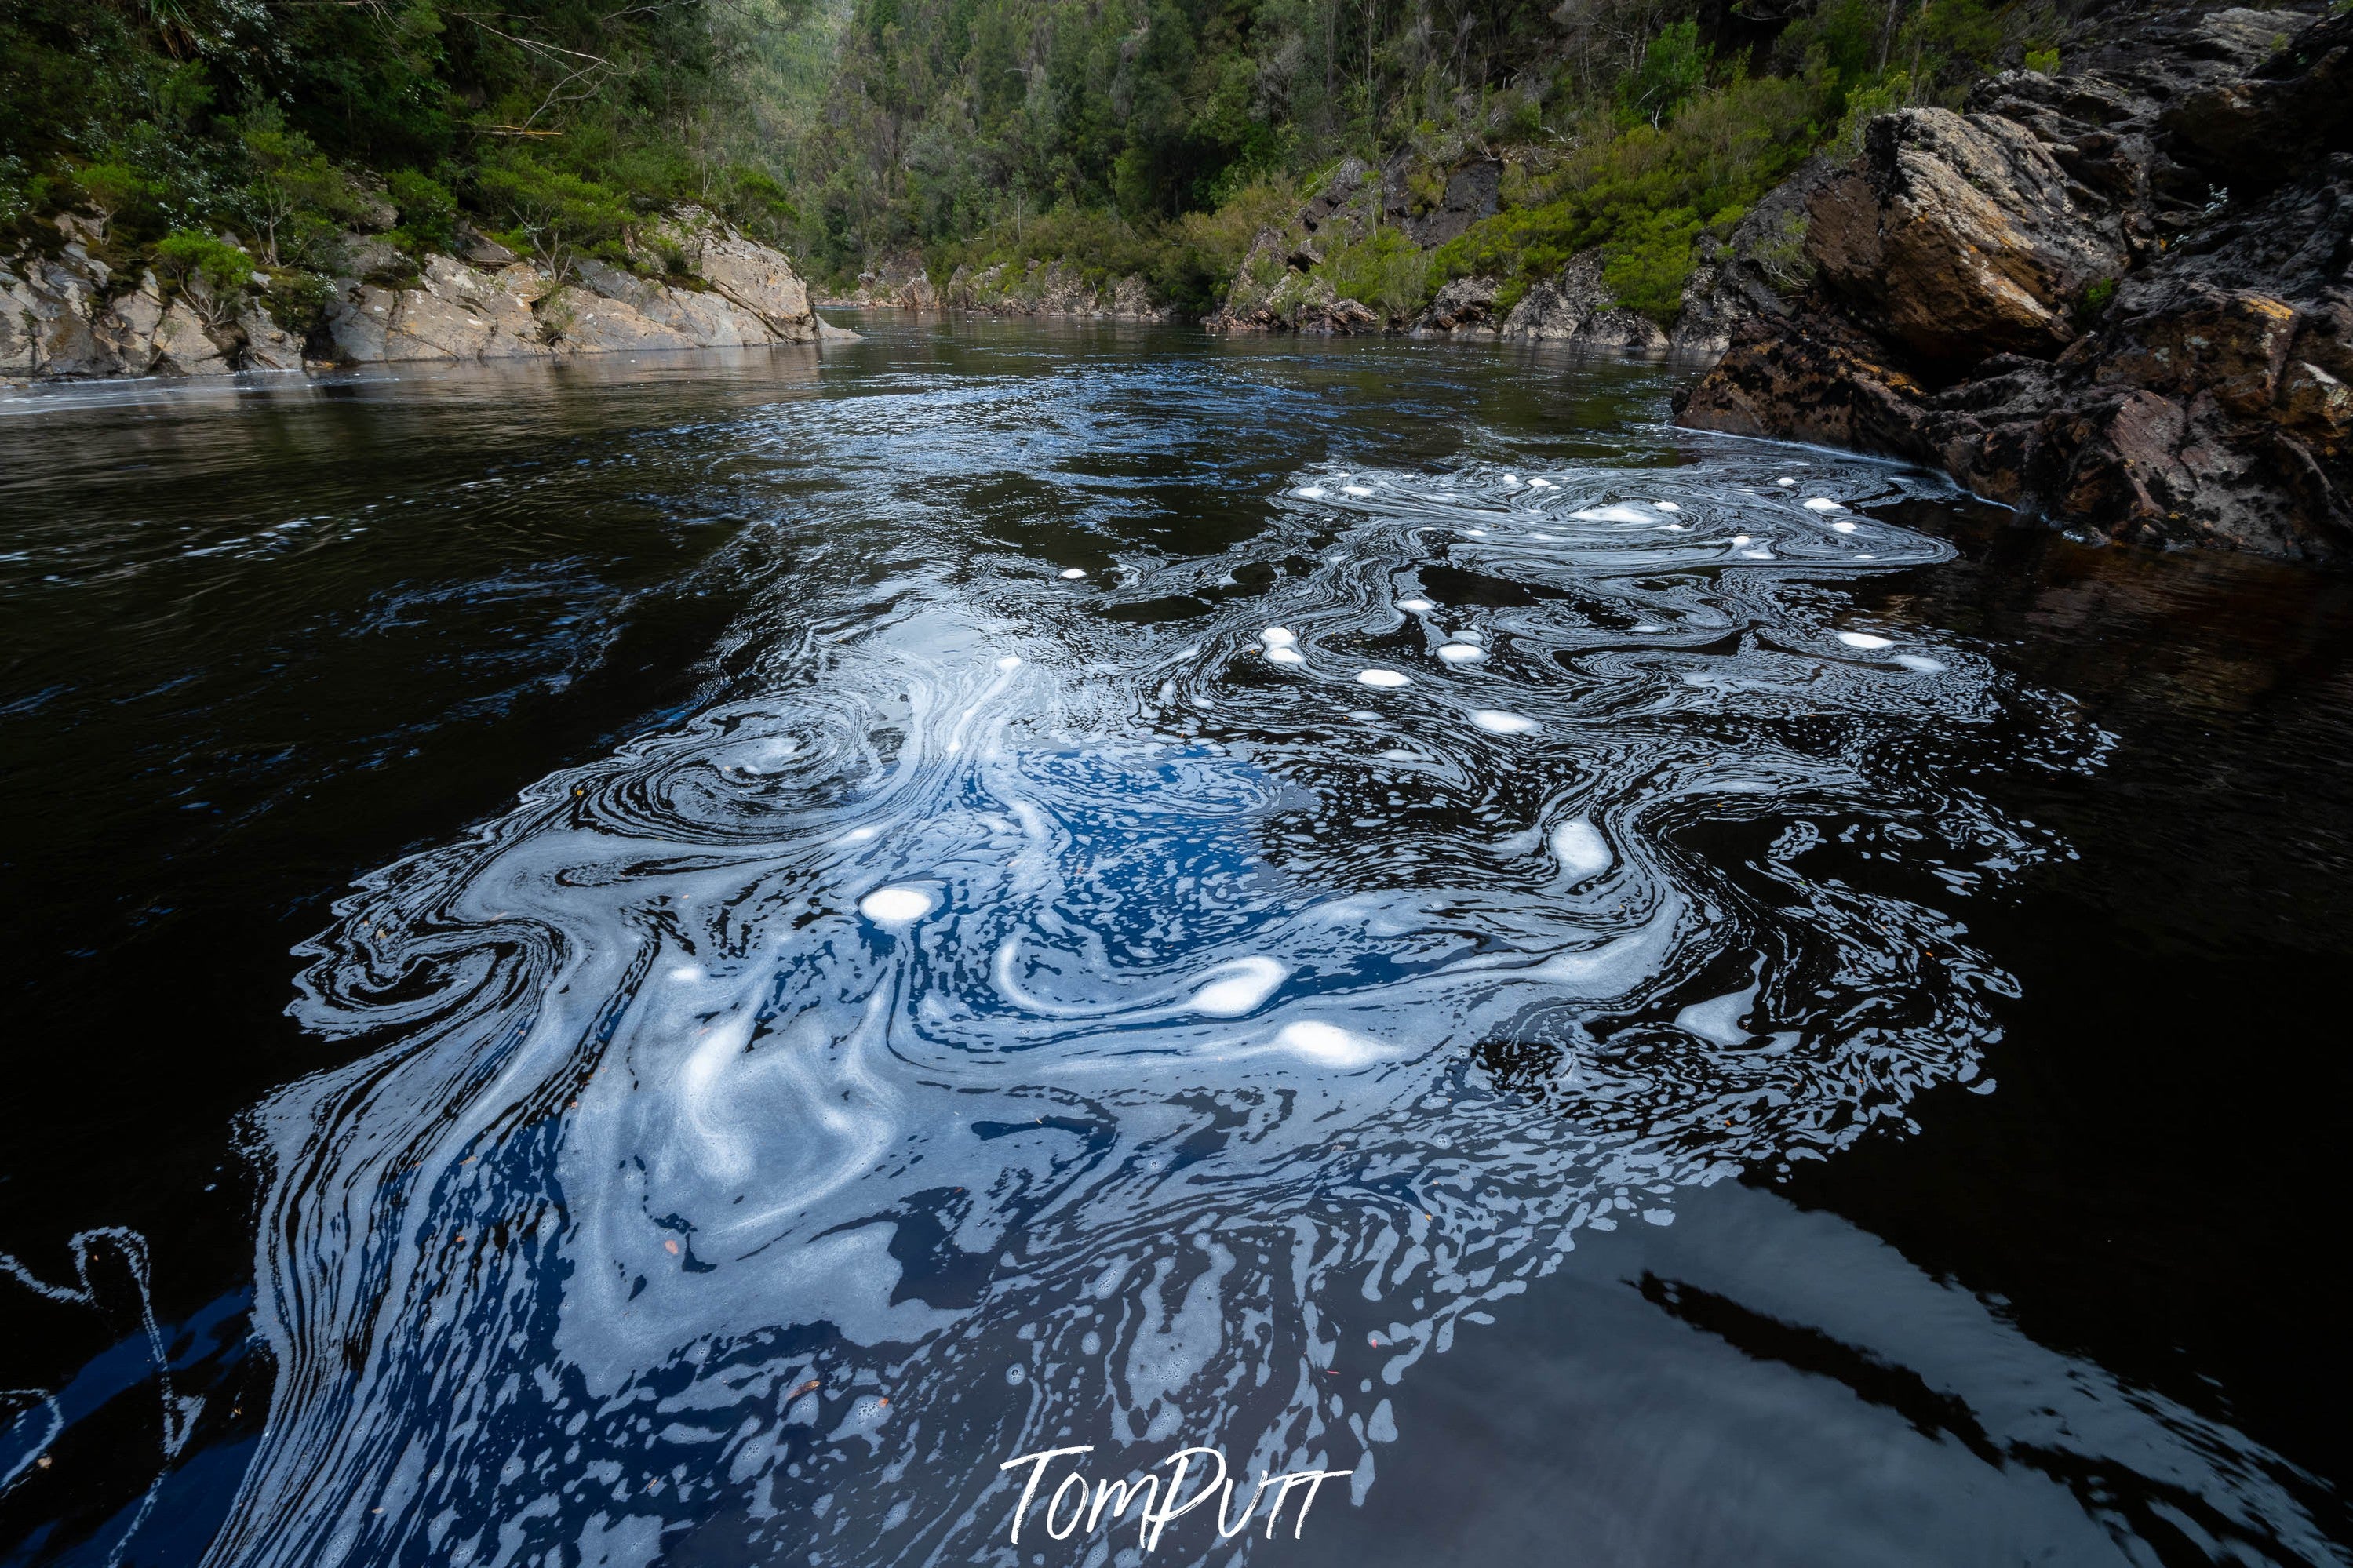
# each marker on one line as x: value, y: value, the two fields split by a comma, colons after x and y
x: 210, y: 274
x: 2043, y: 62
x: 428, y: 211
x: 557, y: 215
x: 1382, y: 271
x: 114, y: 190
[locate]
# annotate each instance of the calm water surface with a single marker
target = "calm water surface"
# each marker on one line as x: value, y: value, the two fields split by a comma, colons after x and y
x: 671, y: 960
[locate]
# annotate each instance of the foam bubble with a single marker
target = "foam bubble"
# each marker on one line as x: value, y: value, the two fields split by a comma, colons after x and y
x: 1758, y: 554
x: 1865, y: 640
x: 1244, y: 984
x: 1329, y: 1044
x: 1277, y: 637
x: 1357, y: 490
x: 1786, y: 482
x: 1614, y: 513
x: 1415, y: 606
x: 1282, y: 655
x: 1845, y: 525
x: 1383, y: 678
x: 1495, y: 721
x: 901, y: 903
x: 1462, y: 653
x: 1010, y: 661
x: 1074, y: 573
x: 1666, y: 506
x: 1474, y: 533
x: 1822, y: 503
x: 1580, y: 850
x: 1312, y: 492
x: 1740, y: 539
x: 1921, y: 662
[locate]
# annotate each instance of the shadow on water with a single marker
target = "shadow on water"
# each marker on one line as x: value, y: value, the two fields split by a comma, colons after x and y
x: 2030, y: 1264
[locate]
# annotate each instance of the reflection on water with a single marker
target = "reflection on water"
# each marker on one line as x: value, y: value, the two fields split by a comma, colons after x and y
x: 1179, y: 896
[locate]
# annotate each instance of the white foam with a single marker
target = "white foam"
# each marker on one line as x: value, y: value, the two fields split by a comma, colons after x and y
x: 1415, y: 606
x: 1786, y: 482
x: 1865, y: 640
x: 1580, y: 850
x: 1921, y: 662
x: 903, y: 903
x: 861, y: 834
x: 1312, y: 492
x: 1614, y: 513
x: 1822, y: 503
x: 1330, y: 1044
x: 1245, y: 984
x: 1740, y: 539
x: 1462, y: 653
x: 1845, y: 525
x: 1384, y: 677
x: 1540, y: 484
x: 1285, y: 656
x: 1367, y: 716
x: 1512, y: 479
x: 1496, y: 721
x: 1474, y: 533
x: 1666, y: 506
x: 1758, y: 554
x: 1357, y: 490
x: 1277, y: 637
x: 1010, y: 661
x: 1074, y: 573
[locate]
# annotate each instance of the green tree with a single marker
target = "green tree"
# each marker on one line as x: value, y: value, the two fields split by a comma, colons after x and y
x: 557, y: 214
x: 210, y: 274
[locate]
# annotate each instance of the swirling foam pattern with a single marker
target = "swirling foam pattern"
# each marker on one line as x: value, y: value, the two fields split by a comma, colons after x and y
x: 994, y: 1022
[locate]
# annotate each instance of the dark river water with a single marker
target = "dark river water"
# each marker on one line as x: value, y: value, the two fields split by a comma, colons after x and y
x: 679, y: 960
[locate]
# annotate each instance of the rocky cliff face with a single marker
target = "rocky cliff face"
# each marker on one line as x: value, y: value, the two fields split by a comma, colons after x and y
x: 70, y: 315
x: 2118, y: 299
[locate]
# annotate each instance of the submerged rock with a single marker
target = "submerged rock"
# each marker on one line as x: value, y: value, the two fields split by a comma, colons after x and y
x: 2049, y: 298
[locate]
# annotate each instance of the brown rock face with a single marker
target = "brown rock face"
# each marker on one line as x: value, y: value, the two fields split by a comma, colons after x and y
x: 1964, y: 235
x: 2010, y: 295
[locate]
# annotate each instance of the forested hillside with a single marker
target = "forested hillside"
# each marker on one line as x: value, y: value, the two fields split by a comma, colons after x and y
x: 1155, y: 138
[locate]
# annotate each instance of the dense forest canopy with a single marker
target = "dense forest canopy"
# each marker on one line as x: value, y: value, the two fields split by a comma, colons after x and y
x: 1145, y: 136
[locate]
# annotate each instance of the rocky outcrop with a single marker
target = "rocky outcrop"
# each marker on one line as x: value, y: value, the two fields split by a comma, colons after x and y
x: 897, y: 282
x: 68, y: 314
x: 1052, y: 288
x: 2046, y: 296
x: 1577, y: 308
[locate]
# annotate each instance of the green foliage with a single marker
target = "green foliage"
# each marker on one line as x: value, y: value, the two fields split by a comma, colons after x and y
x: 114, y: 190
x: 2043, y: 61
x: 1644, y: 195
x: 1780, y: 254
x: 1383, y: 270
x: 210, y: 274
x: 558, y: 214
x: 298, y: 300
x: 428, y: 208
x: 1673, y: 69
x: 1894, y: 92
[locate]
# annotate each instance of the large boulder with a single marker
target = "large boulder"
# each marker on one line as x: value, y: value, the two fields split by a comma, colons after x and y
x: 1962, y: 236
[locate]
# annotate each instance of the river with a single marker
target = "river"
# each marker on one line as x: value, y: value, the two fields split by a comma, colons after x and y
x: 682, y: 959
